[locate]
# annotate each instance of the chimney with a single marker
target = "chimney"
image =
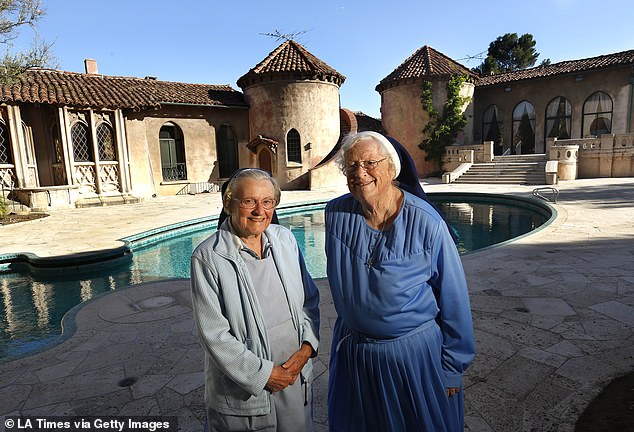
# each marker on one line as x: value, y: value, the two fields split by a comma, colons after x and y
x: 91, y: 66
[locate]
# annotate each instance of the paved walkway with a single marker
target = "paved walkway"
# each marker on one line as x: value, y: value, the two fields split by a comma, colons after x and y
x: 553, y: 314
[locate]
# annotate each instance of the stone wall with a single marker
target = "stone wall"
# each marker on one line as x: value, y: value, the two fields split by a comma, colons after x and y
x: 611, y: 155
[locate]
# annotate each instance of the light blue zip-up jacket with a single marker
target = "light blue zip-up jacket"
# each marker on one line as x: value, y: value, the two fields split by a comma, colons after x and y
x: 229, y: 319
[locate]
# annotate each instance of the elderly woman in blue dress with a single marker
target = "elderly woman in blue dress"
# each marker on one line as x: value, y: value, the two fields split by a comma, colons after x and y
x: 404, y: 335
x: 256, y: 311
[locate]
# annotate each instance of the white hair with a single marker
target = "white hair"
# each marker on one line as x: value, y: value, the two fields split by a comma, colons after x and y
x: 351, y: 140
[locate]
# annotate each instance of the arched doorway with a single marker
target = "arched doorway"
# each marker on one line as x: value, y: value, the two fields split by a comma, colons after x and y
x: 523, y: 129
x: 173, y: 166
x: 265, y: 160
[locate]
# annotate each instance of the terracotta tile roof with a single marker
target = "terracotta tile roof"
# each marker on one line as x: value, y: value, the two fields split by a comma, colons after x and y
x: 368, y: 123
x: 290, y: 58
x: 100, y: 91
x: 424, y: 63
x: 624, y: 58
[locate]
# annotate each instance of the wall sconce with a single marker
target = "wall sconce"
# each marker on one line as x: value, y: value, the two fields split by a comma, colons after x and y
x: 507, y: 88
x: 308, y: 146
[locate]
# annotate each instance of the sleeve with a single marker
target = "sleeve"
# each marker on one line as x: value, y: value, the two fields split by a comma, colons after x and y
x: 311, y: 307
x: 232, y: 356
x: 450, y: 288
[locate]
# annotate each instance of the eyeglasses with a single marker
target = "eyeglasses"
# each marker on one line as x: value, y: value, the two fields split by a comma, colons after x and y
x: 367, y: 166
x: 251, y: 203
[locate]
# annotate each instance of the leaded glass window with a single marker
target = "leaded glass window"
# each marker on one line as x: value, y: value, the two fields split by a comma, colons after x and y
x: 5, y: 145
x: 558, y: 118
x: 105, y: 143
x: 80, y: 138
x: 597, y: 115
x: 293, y: 146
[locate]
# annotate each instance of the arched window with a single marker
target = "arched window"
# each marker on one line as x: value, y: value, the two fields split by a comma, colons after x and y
x: 597, y: 115
x: 227, y: 149
x: 523, y: 129
x: 5, y: 145
x: 105, y: 143
x: 558, y: 118
x: 293, y: 146
x: 80, y: 138
x: 172, y: 153
x: 492, y: 127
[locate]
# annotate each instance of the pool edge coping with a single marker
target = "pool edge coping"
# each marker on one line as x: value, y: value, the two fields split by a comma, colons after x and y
x: 68, y: 322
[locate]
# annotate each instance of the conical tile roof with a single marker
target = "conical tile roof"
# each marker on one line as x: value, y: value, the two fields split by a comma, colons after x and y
x: 290, y: 60
x: 424, y: 63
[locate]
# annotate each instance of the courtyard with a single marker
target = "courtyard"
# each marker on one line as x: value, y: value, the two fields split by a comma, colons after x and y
x: 553, y: 315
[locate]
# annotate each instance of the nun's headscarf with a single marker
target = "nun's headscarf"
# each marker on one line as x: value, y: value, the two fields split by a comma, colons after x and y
x: 223, y: 190
x: 408, y: 180
x: 388, y: 149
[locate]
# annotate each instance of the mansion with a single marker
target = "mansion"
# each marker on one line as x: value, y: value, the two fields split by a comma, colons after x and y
x: 77, y: 139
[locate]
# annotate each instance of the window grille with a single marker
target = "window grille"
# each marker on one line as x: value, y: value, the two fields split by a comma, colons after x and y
x: 105, y: 143
x: 81, y: 142
x: 5, y: 145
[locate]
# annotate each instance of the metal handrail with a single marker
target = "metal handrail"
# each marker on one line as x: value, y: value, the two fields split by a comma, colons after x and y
x: 199, y: 187
x: 537, y: 192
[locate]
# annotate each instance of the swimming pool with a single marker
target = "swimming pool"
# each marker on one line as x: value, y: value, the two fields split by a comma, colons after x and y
x: 34, y: 301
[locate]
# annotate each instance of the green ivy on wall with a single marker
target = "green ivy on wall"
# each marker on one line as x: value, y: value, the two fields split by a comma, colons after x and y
x: 442, y: 129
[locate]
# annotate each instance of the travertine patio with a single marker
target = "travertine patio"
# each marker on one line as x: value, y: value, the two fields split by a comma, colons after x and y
x: 553, y: 313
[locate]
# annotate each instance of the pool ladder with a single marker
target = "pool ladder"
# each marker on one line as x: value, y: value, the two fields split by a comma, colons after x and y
x: 554, y: 191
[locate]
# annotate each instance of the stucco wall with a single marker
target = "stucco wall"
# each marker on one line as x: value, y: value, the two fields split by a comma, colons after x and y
x: 404, y: 118
x: 198, y: 126
x: 539, y: 92
x: 310, y: 107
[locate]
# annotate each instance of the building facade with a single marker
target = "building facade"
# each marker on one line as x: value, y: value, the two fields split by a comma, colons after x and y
x: 77, y: 139
x: 584, y: 106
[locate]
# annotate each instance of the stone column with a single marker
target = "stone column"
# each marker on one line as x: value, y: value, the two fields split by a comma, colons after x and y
x: 567, y: 156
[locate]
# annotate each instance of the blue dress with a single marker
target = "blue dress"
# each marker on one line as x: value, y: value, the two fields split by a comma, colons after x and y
x: 404, y: 331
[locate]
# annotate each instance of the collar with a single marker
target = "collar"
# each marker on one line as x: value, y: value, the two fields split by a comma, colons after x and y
x: 242, y: 247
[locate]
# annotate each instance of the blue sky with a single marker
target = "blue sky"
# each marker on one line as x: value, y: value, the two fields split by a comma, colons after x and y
x: 216, y: 42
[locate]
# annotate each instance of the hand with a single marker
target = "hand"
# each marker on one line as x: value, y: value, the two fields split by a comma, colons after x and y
x: 298, y: 360
x: 280, y: 379
x: 452, y: 391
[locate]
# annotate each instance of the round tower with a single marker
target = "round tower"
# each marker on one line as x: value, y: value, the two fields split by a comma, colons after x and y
x: 293, y: 100
x: 402, y: 112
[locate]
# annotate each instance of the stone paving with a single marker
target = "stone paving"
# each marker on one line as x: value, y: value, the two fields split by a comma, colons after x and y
x: 553, y: 316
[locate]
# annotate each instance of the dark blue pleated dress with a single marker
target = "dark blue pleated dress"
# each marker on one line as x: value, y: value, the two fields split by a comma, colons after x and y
x: 404, y: 331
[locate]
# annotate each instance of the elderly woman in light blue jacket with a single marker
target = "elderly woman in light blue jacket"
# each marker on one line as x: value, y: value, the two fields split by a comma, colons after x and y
x: 256, y: 311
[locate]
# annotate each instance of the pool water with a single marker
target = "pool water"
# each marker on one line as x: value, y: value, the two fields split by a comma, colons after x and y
x: 33, y: 302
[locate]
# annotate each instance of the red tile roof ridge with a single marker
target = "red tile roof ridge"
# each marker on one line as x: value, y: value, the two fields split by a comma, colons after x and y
x: 622, y: 58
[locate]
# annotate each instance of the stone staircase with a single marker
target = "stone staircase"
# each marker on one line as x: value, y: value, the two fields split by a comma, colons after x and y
x: 526, y: 169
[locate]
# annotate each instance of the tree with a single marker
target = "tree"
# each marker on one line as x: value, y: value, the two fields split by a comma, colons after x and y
x: 15, y: 14
x: 509, y: 53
